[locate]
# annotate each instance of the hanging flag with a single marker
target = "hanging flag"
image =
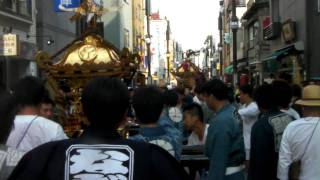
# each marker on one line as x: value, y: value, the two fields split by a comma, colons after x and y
x: 66, y: 5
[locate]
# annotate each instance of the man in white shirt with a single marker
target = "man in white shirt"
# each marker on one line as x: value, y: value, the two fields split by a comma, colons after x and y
x: 30, y: 130
x: 193, y: 121
x: 300, y: 140
x: 249, y: 113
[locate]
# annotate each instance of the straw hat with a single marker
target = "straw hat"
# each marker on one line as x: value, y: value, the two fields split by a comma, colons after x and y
x: 310, y: 96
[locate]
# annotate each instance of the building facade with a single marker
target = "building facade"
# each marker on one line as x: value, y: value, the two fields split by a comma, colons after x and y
x: 138, y: 27
x: 117, y: 23
x: 281, y: 39
x: 19, y: 18
x: 53, y: 26
x: 286, y: 31
x: 158, y: 29
x: 312, y: 53
x: 226, y: 40
x: 257, y: 48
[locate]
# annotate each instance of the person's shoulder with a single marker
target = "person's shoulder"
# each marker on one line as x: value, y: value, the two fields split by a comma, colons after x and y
x: 299, y: 123
x: 45, y: 123
x: 137, y: 137
x: 157, y: 149
x: 43, y: 120
x: 53, y: 145
x: 24, y: 119
x: 138, y: 141
x: 261, y: 123
x: 253, y: 105
x: 280, y: 116
x: 45, y: 151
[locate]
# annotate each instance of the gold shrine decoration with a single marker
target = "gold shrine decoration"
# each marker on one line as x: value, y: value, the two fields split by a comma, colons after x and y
x: 89, y: 8
x: 186, y: 74
x: 86, y: 58
x: 91, y: 51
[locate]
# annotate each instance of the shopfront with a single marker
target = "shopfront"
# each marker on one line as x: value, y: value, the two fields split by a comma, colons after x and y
x: 12, y: 68
x: 286, y: 63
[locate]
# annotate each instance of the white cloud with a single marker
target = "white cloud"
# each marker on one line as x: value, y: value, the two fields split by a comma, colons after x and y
x: 191, y: 20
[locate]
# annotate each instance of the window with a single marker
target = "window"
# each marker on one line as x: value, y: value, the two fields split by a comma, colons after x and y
x: 139, y: 12
x: 19, y: 7
x: 253, y: 34
x: 275, y: 11
x: 11, y: 5
x: 24, y: 7
x: 126, y: 38
x: 251, y: 37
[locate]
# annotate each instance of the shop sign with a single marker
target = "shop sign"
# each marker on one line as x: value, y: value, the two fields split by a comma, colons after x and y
x: 288, y: 31
x: 227, y: 38
x: 10, y: 44
x: 66, y: 5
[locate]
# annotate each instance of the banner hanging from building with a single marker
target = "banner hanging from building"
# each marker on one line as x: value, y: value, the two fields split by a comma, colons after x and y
x: 66, y: 5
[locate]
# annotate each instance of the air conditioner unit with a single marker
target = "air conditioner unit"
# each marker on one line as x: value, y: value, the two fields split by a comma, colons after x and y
x: 272, y: 31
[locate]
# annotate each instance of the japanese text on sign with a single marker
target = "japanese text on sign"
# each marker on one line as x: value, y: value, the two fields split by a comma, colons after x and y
x: 10, y: 45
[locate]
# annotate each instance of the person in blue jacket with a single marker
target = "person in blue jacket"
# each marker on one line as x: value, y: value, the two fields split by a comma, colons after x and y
x: 224, y: 145
x: 148, y: 104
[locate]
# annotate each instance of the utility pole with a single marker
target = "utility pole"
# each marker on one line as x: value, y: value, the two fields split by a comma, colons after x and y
x: 220, y: 46
x: 148, y: 41
x: 234, y: 25
x: 168, y: 51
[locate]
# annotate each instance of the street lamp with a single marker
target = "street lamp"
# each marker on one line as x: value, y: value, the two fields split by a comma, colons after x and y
x: 168, y: 66
x: 220, y: 49
x: 220, y: 24
x: 148, y: 43
x: 148, y: 38
x: 168, y: 31
x: 234, y: 25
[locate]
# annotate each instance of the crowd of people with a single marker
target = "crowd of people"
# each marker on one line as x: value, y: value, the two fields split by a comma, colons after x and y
x: 268, y: 132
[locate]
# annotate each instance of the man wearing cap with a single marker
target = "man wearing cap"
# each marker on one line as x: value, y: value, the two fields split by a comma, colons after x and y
x: 300, y: 140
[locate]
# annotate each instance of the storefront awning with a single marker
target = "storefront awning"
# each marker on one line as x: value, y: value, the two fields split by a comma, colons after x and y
x: 296, y: 48
x: 277, y: 54
x: 228, y: 70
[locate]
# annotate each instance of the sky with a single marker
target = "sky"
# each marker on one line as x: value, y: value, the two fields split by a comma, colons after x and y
x: 191, y: 20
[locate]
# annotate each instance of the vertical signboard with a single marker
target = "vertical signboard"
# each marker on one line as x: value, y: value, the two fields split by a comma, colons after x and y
x: 10, y: 45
